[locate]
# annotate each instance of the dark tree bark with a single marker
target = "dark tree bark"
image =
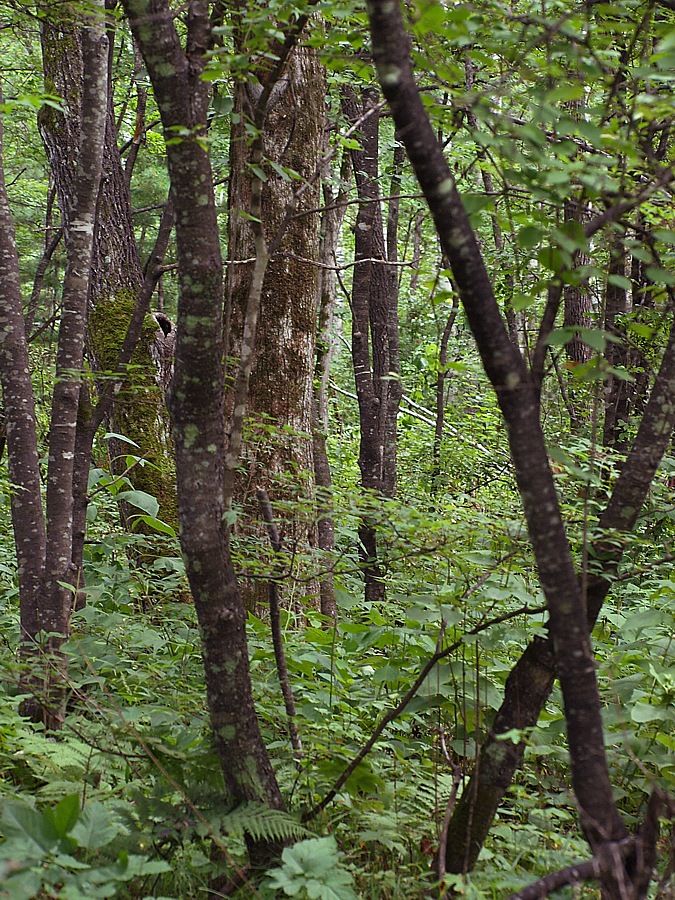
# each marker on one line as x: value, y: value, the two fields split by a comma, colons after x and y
x: 517, y: 393
x: 375, y: 353
x: 282, y: 367
x: 577, y: 314
x: 197, y: 403
x: 616, y: 389
x: 19, y: 409
x: 47, y: 590
x: 440, y: 395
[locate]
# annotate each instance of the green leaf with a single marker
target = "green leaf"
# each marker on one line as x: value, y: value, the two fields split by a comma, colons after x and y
x: 529, y: 236
x: 156, y: 525
x: 145, y: 502
x: 620, y: 281
x: 93, y: 829
x: 119, y: 437
x: 66, y: 814
x: 645, y: 712
x: 26, y: 826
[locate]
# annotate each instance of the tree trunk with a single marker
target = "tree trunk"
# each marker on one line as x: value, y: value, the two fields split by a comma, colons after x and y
x: 375, y: 353
x: 517, y: 394
x: 281, y: 382
x: 19, y: 409
x: 616, y: 353
x: 138, y: 412
x: 331, y: 224
x: 196, y: 403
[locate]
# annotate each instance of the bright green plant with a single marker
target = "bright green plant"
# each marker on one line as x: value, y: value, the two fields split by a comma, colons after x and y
x: 310, y: 870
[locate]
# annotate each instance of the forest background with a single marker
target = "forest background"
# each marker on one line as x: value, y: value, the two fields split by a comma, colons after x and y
x: 327, y: 446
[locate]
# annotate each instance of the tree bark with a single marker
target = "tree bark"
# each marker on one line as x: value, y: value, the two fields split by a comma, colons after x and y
x: 59, y: 582
x: 374, y: 307
x: 331, y: 224
x: 138, y: 411
x: 282, y: 373
x: 196, y: 402
x: 19, y: 409
x: 517, y: 395
x: 616, y: 389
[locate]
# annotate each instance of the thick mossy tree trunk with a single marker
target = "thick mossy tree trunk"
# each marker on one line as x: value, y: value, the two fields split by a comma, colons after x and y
x: 138, y: 411
x: 282, y: 374
x: 196, y: 402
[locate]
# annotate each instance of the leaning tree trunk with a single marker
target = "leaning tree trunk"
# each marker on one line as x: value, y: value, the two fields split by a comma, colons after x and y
x: 138, y: 412
x: 196, y: 403
x: 517, y: 393
x: 281, y: 381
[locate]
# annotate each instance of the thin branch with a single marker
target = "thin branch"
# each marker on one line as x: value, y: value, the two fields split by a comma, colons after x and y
x: 592, y: 869
x: 407, y: 697
x: 275, y: 624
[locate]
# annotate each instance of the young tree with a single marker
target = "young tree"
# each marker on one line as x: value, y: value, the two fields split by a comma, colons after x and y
x: 196, y: 399
x: 49, y: 577
x: 626, y: 871
x: 375, y: 342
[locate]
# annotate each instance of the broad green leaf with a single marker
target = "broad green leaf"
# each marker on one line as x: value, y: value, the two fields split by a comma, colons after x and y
x: 140, y: 500
x: 94, y: 830
x: 529, y: 236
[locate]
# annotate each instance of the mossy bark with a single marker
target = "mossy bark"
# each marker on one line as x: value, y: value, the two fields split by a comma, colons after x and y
x: 281, y: 385
x: 139, y: 411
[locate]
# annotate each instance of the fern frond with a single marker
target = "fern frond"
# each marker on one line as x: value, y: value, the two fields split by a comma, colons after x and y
x: 263, y: 823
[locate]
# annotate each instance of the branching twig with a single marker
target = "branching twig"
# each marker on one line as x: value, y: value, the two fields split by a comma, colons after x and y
x: 398, y: 709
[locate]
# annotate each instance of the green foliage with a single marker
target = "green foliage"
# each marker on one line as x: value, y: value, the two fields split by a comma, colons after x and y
x: 310, y: 870
x: 67, y: 849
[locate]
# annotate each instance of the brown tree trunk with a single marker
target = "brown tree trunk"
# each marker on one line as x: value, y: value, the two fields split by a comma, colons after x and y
x: 577, y: 314
x: 19, y: 409
x: 197, y: 403
x: 61, y: 574
x: 440, y: 396
x: 281, y: 381
x: 616, y: 392
x: 117, y: 282
x: 375, y: 352
x: 517, y: 394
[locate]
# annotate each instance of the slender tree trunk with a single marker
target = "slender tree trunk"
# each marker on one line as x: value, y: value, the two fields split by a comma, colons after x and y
x: 440, y: 395
x: 197, y: 403
x: 577, y: 314
x: 331, y: 224
x: 19, y: 408
x: 375, y: 352
x: 616, y: 353
x: 61, y: 575
x: 517, y: 395
x: 138, y: 411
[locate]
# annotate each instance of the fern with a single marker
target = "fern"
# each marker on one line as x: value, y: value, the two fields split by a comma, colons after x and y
x: 262, y: 823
